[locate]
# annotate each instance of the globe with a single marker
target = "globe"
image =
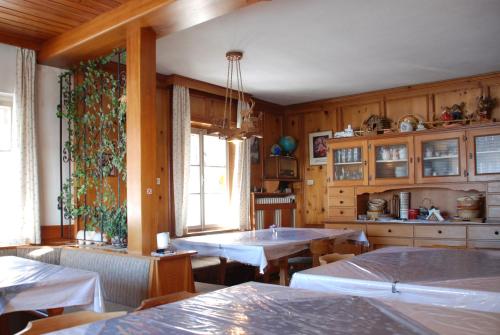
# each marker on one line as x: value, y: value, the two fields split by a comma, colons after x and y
x: 275, y: 150
x: 288, y: 144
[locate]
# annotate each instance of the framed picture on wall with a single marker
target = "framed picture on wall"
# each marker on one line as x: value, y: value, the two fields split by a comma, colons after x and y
x: 318, y: 148
x: 255, y: 150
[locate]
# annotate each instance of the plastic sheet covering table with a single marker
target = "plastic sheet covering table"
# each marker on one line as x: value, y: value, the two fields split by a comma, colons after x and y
x: 445, y: 277
x: 30, y: 285
x: 255, y: 308
x: 257, y: 247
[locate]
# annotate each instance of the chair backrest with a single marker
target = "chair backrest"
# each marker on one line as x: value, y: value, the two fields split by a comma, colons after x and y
x: 165, y: 299
x: 125, y: 279
x: 46, y: 254
x: 63, y: 321
x: 319, y: 248
x: 330, y: 258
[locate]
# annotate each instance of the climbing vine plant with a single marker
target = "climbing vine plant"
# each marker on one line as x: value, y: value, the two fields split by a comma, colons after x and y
x: 94, y: 105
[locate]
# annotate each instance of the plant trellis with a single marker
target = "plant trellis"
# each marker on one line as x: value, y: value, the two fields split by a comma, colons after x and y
x: 94, y: 106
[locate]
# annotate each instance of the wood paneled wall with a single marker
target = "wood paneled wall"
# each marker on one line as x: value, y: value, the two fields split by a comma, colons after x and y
x: 424, y: 100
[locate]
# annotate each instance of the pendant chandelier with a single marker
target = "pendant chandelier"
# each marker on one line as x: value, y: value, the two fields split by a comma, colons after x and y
x: 247, y: 125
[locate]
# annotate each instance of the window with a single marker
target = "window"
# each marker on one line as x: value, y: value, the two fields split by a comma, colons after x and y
x: 9, y: 181
x: 208, y: 204
x: 5, y: 122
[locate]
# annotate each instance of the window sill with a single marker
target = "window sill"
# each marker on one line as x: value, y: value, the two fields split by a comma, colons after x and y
x: 211, y: 232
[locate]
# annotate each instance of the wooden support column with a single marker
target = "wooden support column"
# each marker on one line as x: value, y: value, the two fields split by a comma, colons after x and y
x: 141, y: 139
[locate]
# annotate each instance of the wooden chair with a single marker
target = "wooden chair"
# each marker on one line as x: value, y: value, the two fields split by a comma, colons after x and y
x: 63, y: 321
x: 330, y: 258
x: 165, y: 299
x: 319, y: 248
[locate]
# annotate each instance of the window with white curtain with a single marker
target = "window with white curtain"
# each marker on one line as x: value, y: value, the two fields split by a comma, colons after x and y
x: 208, y: 204
x: 9, y: 194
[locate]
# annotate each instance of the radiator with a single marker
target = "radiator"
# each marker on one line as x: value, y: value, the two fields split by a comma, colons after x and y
x: 259, y: 214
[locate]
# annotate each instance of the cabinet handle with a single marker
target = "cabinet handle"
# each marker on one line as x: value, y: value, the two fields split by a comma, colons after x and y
x: 418, y: 160
x: 341, y: 212
x: 341, y: 201
x: 389, y: 230
x: 365, y: 162
x: 470, y: 155
x: 341, y: 191
x: 496, y: 232
x: 411, y: 160
x: 440, y: 231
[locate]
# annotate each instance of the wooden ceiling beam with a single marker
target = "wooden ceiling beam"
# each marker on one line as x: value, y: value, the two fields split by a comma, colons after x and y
x: 107, y: 31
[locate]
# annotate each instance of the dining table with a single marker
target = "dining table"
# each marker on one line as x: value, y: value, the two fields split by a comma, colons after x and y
x: 26, y: 284
x: 259, y: 247
x: 265, y: 309
x: 459, y: 278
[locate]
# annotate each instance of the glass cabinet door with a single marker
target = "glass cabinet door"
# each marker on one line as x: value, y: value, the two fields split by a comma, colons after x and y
x: 440, y: 157
x: 391, y: 161
x: 484, y: 152
x: 348, y: 164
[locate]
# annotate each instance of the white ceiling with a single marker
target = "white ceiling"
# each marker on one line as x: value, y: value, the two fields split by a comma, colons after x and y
x: 304, y: 50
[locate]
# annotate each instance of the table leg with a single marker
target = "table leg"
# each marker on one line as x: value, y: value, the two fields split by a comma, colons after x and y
x: 222, y: 270
x: 283, y: 263
x: 4, y: 324
x: 55, y: 311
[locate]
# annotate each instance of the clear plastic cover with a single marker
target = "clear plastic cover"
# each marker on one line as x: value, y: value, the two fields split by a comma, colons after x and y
x: 255, y: 308
x: 447, y: 277
x: 259, y: 246
x: 29, y: 285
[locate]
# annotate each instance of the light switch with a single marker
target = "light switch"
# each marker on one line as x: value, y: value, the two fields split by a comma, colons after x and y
x: 157, y: 181
x: 310, y: 182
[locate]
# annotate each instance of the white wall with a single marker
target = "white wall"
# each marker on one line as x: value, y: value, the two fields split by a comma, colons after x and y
x: 48, y: 142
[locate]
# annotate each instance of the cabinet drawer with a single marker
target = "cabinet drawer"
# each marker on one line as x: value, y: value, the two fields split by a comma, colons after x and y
x: 494, y: 211
x: 494, y: 199
x: 341, y: 201
x: 341, y: 212
x: 390, y: 230
x: 382, y: 242
x: 494, y: 187
x: 440, y: 243
x: 341, y: 192
x: 483, y: 244
x: 440, y: 232
x: 357, y: 227
x: 484, y: 233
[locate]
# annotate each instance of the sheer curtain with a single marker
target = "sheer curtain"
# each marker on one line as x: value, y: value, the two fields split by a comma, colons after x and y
x: 181, y: 133
x: 240, y: 190
x: 21, y: 219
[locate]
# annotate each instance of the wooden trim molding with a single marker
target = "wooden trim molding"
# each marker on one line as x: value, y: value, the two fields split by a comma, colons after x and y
x: 477, y: 81
x: 52, y: 234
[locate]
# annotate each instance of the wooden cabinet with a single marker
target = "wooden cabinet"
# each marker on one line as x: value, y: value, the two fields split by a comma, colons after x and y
x: 347, y: 163
x: 484, y: 154
x: 391, y: 161
x: 441, y: 157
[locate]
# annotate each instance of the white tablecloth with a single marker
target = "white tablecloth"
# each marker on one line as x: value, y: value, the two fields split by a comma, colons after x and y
x: 30, y: 285
x: 257, y: 247
x: 457, y: 278
x: 263, y: 309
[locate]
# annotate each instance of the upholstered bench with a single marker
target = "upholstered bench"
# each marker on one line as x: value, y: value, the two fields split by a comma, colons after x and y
x: 126, y: 279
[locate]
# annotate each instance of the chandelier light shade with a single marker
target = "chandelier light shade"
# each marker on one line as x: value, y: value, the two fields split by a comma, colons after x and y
x: 250, y: 125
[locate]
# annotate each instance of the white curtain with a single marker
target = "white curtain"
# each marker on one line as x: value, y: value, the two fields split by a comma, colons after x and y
x: 26, y: 145
x: 240, y: 190
x: 181, y: 129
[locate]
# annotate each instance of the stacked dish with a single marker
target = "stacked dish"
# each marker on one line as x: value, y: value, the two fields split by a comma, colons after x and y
x: 469, y: 207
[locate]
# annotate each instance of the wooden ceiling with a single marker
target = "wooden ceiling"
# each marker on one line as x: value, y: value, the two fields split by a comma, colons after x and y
x: 28, y: 23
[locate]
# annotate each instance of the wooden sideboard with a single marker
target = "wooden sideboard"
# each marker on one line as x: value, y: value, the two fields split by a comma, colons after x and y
x: 470, y: 235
